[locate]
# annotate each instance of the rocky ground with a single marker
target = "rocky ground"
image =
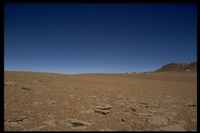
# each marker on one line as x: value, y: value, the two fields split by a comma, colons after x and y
x: 161, y: 101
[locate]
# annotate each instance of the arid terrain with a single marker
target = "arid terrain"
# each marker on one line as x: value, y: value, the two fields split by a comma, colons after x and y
x: 159, y: 101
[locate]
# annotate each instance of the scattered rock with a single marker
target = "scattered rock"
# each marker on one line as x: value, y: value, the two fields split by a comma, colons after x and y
x: 120, y: 113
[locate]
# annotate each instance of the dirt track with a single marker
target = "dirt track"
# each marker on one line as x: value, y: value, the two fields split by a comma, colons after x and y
x: 162, y: 101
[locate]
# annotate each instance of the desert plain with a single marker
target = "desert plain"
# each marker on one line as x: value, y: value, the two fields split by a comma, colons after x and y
x: 158, y: 101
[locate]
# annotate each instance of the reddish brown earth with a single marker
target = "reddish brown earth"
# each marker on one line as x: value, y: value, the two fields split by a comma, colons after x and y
x: 161, y: 101
x: 190, y: 66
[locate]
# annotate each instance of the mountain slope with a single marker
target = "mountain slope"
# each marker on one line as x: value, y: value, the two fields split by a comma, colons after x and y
x: 190, y: 66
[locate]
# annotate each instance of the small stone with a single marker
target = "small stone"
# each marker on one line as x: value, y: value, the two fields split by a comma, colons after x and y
x: 123, y: 120
x: 125, y: 113
x: 40, y: 127
x: 192, y: 105
x: 89, y: 111
x: 93, y: 97
x: 159, y: 120
x: 49, y: 123
x: 194, y: 114
x: 38, y: 92
x: 194, y: 120
x: 169, y: 117
x: 174, y: 113
x: 9, y: 83
x: 14, y: 124
x: 119, y: 97
x: 82, y: 111
x: 76, y: 122
x: 142, y: 102
x: 182, y: 122
x: 26, y: 88
x: 175, y: 127
x: 101, y: 111
x: 133, y: 109
x: 103, y: 107
x: 52, y: 103
x: 65, y: 122
x: 76, y: 88
x: 133, y: 100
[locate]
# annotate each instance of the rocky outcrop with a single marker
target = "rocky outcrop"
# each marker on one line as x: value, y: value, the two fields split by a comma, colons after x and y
x: 190, y: 66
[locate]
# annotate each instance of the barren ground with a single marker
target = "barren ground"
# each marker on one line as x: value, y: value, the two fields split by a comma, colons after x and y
x: 162, y: 101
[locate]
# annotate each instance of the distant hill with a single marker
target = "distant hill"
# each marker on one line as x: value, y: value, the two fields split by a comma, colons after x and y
x: 190, y: 66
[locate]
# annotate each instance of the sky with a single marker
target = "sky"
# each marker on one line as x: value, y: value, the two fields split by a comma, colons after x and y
x: 98, y: 38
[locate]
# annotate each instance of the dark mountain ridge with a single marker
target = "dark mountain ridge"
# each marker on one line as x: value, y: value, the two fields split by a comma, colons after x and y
x: 190, y: 66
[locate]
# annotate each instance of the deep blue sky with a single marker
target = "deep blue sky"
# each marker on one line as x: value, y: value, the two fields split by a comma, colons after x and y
x: 87, y: 38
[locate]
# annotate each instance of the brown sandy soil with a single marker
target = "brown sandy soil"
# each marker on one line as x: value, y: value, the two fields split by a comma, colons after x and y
x: 162, y: 101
